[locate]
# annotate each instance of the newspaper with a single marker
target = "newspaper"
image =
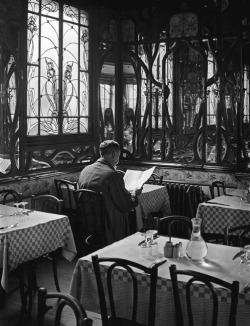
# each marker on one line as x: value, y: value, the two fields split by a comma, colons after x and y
x: 135, y: 179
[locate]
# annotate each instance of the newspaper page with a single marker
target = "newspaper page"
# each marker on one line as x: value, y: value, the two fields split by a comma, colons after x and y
x: 135, y: 179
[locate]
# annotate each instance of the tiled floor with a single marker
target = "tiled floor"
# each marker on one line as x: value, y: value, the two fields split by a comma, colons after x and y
x: 10, y: 311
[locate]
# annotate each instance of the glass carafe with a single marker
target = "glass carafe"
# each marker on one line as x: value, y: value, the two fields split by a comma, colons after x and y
x: 196, y: 249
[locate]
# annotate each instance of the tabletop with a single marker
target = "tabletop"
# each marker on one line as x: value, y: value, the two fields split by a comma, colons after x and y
x: 35, y: 235
x: 218, y: 263
x: 153, y: 198
x: 223, y: 211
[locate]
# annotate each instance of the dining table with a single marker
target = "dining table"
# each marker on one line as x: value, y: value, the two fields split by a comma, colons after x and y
x: 153, y: 199
x: 218, y: 262
x: 227, y: 210
x: 24, y: 237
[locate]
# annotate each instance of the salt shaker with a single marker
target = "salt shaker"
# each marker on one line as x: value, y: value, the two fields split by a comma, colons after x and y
x: 176, y: 250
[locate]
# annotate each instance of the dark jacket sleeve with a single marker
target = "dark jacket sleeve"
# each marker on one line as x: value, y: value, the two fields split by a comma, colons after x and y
x: 119, y: 195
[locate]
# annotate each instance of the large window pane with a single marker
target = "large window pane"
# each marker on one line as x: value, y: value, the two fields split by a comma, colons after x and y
x: 58, y: 91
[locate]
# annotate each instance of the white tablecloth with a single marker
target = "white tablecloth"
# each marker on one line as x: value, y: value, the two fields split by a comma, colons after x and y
x: 218, y: 263
x: 39, y: 234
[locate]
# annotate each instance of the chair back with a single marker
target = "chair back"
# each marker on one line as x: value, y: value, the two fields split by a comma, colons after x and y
x: 47, y: 203
x: 155, y: 179
x: 10, y: 196
x: 237, y: 236
x: 66, y: 300
x: 208, y: 281
x: 91, y: 208
x: 217, y: 188
x: 64, y: 190
x: 174, y: 226
x: 151, y: 273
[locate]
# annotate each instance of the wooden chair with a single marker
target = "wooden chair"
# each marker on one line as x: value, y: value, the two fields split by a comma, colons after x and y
x: 64, y: 190
x: 49, y: 204
x: 217, y: 188
x: 174, y: 225
x: 10, y: 196
x: 236, y: 236
x: 66, y: 300
x: 208, y: 281
x: 113, y: 319
x: 155, y: 179
x: 91, y: 208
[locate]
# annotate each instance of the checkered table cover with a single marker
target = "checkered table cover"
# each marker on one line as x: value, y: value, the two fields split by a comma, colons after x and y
x: 28, y: 243
x: 153, y: 198
x: 86, y: 292
x: 215, y: 218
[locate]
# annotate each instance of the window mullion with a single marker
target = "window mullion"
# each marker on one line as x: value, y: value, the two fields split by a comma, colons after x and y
x: 60, y: 85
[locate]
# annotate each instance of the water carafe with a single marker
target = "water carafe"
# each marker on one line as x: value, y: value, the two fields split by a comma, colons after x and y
x: 196, y: 249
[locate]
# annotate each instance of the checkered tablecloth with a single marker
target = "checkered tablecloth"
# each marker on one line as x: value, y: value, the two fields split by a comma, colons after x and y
x: 153, y: 198
x: 83, y: 284
x: 39, y: 234
x: 216, y: 217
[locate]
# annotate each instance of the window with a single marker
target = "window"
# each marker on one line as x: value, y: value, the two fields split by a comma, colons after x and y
x: 57, y: 69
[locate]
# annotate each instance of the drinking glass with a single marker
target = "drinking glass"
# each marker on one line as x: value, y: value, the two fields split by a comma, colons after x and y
x: 245, y: 260
x: 24, y: 210
x: 153, y: 243
x: 17, y: 214
x: 146, y: 249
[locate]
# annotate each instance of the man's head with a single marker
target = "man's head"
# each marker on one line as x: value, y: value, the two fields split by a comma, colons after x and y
x: 110, y: 151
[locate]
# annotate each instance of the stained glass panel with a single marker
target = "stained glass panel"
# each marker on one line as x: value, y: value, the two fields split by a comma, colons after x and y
x: 33, y: 5
x: 50, y: 8
x: 58, y: 91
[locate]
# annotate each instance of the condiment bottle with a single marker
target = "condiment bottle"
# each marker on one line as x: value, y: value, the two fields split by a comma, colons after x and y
x: 168, y: 249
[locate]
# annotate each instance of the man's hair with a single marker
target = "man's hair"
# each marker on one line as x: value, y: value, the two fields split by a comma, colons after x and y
x: 108, y: 146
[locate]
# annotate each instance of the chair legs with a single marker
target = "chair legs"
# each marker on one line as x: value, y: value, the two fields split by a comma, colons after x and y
x: 54, y: 264
x: 27, y: 289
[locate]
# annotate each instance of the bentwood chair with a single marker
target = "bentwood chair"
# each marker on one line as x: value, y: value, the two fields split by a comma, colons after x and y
x: 65, y: 300
x: 10, y: 196
x: 64, y: 190
x: 237, y: 236
x: 91, y: 208
x: 207, y: 281
x: 217, y: 188
x: 174, y: 225
x: 127, y: 267
x: 49, y: 204
x: 155, y: 179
